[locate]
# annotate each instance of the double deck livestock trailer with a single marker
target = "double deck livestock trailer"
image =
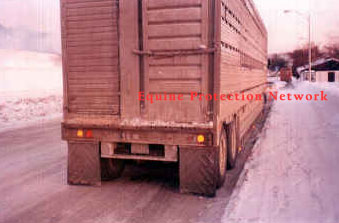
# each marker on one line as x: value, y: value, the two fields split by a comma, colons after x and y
x: 117, y: 54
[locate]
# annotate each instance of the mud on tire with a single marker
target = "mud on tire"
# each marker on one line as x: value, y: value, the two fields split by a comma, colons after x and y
x: 232, y: 144
x: 222, y: 158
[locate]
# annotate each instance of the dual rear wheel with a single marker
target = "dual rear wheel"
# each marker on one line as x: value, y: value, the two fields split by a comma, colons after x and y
x: 111, y: 168
x: 222, y: 159
x: 232, y: 147
x: 197, y: 174
x: 228, y: 151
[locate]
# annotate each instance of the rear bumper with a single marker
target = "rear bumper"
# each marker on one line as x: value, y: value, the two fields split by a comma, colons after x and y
x: 139, y: 135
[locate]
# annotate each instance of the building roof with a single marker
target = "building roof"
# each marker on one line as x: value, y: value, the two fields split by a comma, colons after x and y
x: 323, y: 64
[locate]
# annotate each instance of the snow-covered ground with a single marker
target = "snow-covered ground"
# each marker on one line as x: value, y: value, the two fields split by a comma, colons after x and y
x: 30, y: 88
x: 292, y: 175
x: 331, y: 88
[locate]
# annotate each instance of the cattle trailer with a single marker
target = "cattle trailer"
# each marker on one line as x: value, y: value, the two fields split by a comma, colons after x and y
x: 115, y: 51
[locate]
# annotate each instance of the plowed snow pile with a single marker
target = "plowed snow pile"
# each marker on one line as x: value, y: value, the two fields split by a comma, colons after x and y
x: 292, y: 175
x: 30, y: 88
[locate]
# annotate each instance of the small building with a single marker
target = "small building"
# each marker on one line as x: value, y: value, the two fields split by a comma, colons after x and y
x: 323, y: 70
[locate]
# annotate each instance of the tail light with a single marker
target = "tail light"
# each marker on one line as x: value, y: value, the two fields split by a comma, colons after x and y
x: 89, y: 134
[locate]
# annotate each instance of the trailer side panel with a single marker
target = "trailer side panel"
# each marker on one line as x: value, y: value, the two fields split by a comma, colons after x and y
x: 243, y: 62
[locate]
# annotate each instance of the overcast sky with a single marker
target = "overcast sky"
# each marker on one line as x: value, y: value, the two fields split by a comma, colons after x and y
x: 39, y: 15
x: 289, y: 31
x: 286, y: 31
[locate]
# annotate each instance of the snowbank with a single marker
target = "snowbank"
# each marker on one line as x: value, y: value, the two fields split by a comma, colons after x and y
x: 30, y: 88
x: 292, y: 174
x: 21, y: 109
x: 27, y: 71
x: 330, y: 88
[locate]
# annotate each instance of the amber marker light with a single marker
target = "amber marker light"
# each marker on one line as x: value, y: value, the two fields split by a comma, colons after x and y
x: 201, y: 138
x: 80, y: 133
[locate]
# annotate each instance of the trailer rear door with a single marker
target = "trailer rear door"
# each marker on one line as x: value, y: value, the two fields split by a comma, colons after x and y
x: 91, y: 52
x: 175, y: 57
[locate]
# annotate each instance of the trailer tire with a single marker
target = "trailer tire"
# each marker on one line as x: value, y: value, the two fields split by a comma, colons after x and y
x: 222, y: 158
x: 232, y: 144
x: 111, y: 168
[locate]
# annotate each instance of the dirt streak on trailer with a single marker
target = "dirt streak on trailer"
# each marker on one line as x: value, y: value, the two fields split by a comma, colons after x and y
x: 112, y: 50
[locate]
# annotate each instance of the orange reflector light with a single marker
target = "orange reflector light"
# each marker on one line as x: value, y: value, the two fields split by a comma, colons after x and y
x: 201, y: 138
x: 89, y: 134
x: 80, y: 133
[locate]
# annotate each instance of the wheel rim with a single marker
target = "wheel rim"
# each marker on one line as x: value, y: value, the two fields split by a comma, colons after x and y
x: 222, y: 155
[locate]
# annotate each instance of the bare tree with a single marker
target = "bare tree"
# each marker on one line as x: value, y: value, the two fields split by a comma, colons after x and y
x: 300, y: 57
x: 332, y: 50
x: 276, y: 62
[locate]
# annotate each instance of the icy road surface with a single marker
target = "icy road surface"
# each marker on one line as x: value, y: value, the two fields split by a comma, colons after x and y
x: 293, y: 174
x: 33, y: 187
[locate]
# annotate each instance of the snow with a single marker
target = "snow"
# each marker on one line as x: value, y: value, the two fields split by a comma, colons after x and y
x: 331, y: 88
x: 316, y: 63
x: 30, y: 88
x: 29, y: 71
x: 321, y: 61
x: 292, y: 175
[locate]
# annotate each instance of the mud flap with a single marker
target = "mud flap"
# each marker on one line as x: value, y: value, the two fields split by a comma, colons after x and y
x: 198, y: 170
x: 83, y: 163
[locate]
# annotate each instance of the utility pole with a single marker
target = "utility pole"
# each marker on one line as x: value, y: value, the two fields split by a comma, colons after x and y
x: 309, y: 47
x: 309, y: 39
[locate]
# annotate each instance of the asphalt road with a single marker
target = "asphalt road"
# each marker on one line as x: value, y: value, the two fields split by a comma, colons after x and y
x: 33, y: 187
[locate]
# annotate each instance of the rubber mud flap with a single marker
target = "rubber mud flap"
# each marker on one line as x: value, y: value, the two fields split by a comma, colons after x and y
x: 83, y: 163
x: 198, y: 170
